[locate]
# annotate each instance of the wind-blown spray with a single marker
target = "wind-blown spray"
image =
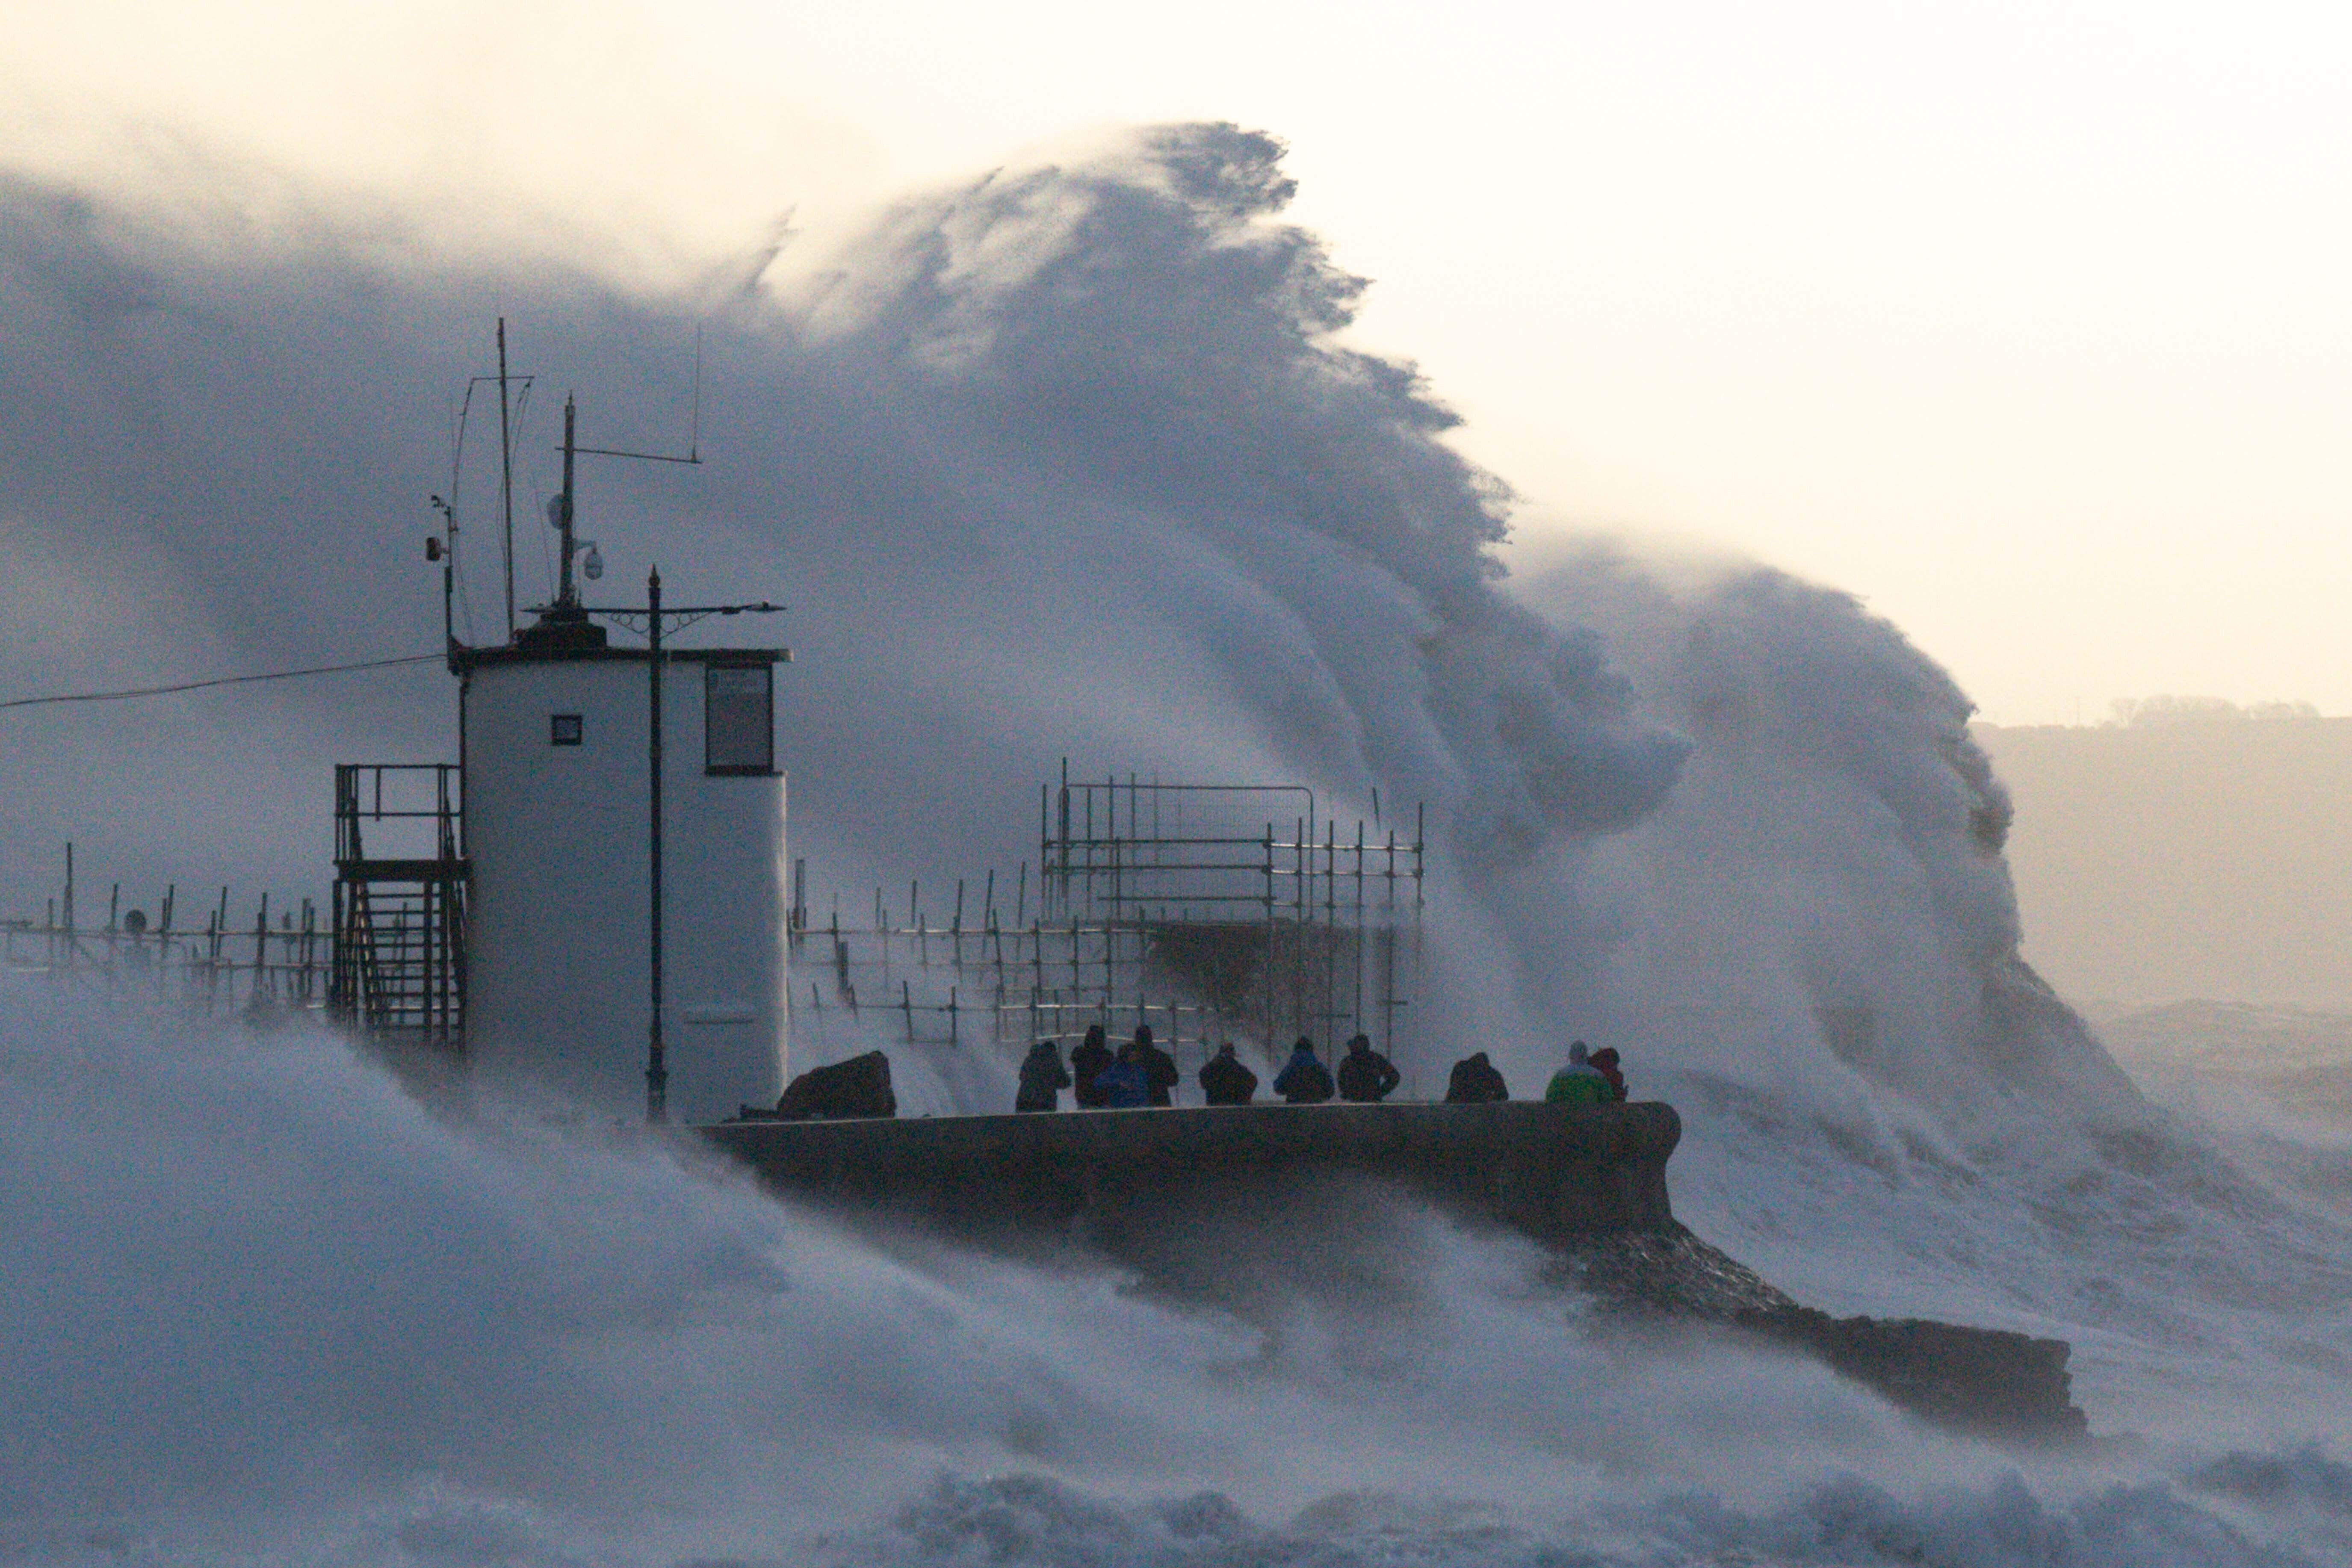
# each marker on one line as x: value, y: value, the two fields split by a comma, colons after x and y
x: 1066, y: 462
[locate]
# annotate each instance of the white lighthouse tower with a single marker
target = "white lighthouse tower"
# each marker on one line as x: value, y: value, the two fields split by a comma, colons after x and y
x: 624, y: 829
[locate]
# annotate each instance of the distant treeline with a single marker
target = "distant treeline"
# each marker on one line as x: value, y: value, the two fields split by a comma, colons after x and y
x: 2149, y: 711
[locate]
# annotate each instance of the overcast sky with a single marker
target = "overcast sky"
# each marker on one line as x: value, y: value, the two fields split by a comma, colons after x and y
x: 2032, y: 325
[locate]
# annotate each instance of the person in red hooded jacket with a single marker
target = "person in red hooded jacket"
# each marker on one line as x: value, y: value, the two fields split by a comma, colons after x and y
x: 1604, y: 1062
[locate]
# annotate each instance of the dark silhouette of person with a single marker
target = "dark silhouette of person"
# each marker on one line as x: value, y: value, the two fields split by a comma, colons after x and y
x: 1225, y: 1081
x: 1475, y: 1081
x: 1604, y: 1062
x: 1125, y: 1085
x: 1160, y: 1075
x: 1086, y: 1063
x: 1303, y: 1081
x: 1043, y: 1077
x: 1366, y: 1076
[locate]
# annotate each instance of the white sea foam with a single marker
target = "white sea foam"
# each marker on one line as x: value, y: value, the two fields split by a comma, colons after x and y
x: 1068, y: 462
x: 265, y: 1308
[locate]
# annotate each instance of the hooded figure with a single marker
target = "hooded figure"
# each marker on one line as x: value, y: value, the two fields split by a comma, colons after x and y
x: 1475, y: 1082
x: 1577, y: 1083
x: 1366, y: 1076
x: 1303, y: 1081
x: 1043, y: 1077
x: 1225, y: 1081
x: 1604, y: 1062
x: 1086, y: 1063
x: 1160, y: 1075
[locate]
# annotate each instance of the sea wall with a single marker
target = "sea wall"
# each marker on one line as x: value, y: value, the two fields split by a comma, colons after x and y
x: 1236, y: 1207
x: 1549, y: 1171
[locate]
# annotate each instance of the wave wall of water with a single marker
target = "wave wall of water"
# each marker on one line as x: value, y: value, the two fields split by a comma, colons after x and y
x: 1071, y: 462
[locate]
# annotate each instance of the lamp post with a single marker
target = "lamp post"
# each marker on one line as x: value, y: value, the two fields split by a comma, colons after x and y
x: 656, y: 620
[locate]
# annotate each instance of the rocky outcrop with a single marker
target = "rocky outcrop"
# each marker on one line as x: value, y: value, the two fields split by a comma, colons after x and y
x: 1991, y: 1382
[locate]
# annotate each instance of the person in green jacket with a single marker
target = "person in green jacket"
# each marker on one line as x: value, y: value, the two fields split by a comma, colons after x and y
x: 1580, y: 1083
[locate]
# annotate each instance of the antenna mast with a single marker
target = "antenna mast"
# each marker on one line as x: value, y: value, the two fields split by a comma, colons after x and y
x: 505, y: 474
x: 565, y: 592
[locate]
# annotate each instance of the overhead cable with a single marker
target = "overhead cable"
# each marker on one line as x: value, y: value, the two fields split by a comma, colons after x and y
x: 128, y: 693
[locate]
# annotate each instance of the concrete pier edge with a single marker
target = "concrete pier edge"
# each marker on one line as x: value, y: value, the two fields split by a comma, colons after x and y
x: 1587, y: 1183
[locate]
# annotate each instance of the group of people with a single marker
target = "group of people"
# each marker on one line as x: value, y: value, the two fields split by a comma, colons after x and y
x: 1141, y: 1073
x: 1591, y: 1078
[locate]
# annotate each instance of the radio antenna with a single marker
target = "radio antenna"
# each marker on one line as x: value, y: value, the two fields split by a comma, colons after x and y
x: 505, y: 474
x: 694, y: 439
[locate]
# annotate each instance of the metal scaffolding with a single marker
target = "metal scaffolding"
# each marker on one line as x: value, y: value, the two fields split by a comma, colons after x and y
x: 1211, y: 912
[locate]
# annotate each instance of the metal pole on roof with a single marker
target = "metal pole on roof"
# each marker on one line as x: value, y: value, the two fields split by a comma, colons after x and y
x: 505, y: 474
x: 564, y: 592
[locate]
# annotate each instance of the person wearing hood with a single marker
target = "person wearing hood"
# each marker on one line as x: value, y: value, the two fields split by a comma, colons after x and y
x: 1577, y: 1083
x: 1160, y: 1075
x: 1303, y: 1081
x: 1086, y: 1063
x: 1042, y: 1077
x: 1225, y: 1081
x: 1604, y: 1062
x: 1474, y: 1081
x: 1366, y: 1076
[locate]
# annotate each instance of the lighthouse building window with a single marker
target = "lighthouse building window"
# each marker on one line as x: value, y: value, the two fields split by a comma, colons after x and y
x: 564, y: 729
x: 738, y: 718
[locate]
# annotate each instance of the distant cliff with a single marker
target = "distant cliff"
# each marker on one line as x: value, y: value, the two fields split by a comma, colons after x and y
x: 2197, y: 857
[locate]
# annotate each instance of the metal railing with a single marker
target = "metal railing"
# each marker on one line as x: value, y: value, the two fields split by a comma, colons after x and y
x: 218, y: 967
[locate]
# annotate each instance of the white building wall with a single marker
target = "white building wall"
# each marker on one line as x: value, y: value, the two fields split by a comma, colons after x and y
x: 556, y: 938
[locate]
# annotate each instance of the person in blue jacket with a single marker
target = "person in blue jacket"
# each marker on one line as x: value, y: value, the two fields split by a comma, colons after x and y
x: 1126, y: 1084
x: 1303, y: 1081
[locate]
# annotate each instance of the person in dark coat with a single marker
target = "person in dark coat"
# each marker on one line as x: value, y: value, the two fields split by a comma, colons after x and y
x: 1366, y: 1076
x: 1123, y: 1084
x: 1303, y: 1081
x: 1475, y: 1081
x: 1043, y: 1077
x: 1160, y: 1075
x: 1604, y: 1062
x: 1225, y: 1082
x: 1086, y: 1063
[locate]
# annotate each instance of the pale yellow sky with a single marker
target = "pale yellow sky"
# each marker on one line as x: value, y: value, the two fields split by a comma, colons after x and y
x: 2032, y: 324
